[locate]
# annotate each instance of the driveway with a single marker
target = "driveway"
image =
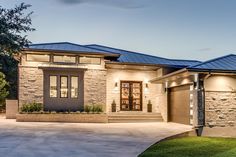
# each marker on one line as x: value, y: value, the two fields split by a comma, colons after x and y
x: 27, y: 139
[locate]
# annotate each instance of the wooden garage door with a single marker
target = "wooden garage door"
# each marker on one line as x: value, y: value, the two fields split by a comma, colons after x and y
x: 178, y: 105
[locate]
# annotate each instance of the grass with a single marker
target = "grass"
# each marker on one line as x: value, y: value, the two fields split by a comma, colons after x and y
x: 193, y: 147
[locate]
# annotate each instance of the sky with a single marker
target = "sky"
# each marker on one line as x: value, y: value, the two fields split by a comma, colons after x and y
x: 180, y: 29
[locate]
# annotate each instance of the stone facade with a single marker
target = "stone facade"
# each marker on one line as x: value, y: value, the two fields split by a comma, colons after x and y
x: 30, y: 85
x: 220, y: 109
x: 95, y: 87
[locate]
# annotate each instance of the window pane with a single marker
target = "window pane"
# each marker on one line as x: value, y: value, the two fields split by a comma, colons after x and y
x: 53, y: 86
x: 37, y: 58
x: 64, y: 59
x: 64, y: 87
x: 74, y: 87
x: 90, y: 60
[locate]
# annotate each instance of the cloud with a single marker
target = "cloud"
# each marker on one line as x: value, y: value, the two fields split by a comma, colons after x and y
x: 205, y: 49
x: 125, y: 4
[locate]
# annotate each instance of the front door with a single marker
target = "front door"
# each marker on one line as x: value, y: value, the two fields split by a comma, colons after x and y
x: 131, y: 96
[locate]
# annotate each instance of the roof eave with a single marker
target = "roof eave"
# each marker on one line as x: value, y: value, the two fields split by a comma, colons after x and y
x: 73, y: 52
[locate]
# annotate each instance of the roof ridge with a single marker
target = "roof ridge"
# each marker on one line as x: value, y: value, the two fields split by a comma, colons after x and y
x: 52, y: 43
x: 127, y: 51
x: 211, y: 60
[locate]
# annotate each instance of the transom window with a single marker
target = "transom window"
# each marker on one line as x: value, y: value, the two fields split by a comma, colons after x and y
x: 38, y: 57
x: 90, y: 60
x: 64, y: 59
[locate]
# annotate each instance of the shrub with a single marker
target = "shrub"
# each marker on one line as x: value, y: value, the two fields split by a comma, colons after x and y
x: 93, y: 108
x: 32, y: 107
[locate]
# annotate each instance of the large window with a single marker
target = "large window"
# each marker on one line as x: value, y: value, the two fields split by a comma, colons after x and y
x: 53, y: 86
x: 38, y: 57
x: 64, y: 59
x: 74, y: 87
x: 64, y: 87
x: 90, y: 60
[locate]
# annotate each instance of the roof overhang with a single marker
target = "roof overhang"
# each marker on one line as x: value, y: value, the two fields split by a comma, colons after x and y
x: 106, y: 54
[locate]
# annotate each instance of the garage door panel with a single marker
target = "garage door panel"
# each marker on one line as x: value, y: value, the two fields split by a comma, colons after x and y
x: 178, y: 106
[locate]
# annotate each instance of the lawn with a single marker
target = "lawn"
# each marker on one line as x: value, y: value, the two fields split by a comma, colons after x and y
x: 193, y: 147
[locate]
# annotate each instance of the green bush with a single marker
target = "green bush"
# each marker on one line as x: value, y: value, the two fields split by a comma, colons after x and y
x: 32, y: 107
x: 93, y: 108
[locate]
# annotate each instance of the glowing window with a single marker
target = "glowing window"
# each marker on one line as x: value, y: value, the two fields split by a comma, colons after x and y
x: 37, y: 58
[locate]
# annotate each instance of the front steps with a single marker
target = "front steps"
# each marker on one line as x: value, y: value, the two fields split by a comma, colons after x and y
x: 135, y: 117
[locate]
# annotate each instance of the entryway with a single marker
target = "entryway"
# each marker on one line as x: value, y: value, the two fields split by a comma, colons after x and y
x: 131, y: 96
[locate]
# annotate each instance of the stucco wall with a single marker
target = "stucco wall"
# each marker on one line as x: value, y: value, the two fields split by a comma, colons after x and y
x: 220, y: 101
x: 30, y: 85
x: 116, y: 75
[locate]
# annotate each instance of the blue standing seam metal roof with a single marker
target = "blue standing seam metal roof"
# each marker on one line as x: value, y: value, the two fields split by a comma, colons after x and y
x: 65, y: 46
x: 124, y: 56
x: 224, y: 63
x: 134, y: 57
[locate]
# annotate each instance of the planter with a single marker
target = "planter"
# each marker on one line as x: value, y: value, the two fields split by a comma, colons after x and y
x: 70, y: 118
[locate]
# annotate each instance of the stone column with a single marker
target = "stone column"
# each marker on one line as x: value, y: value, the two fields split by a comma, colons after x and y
x: 198, y: 105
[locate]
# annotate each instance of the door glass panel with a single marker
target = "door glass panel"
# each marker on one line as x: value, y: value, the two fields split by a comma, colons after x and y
x: 125, y: 96
x: 53, y: 86
x: 74, y: 87
x: 136, y: 96
x: 64, y: 87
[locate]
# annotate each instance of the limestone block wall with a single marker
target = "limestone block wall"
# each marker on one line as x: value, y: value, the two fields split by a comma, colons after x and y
x: 117, y: 75
x: 30, y: 85
x: 95, y: 87
x: 220, y: 109
x: 220, y: 101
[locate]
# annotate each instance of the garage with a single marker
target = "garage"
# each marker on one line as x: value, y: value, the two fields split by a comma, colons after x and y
x: 178, y: 104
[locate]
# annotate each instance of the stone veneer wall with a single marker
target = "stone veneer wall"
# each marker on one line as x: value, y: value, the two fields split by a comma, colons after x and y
x: 30, y: 85
x: 220, y: 109
x: 95, y: 87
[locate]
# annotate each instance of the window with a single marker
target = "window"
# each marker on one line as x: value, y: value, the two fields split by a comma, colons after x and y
x: 38, y: 57
x: 90, y: 60
x: 74, y: 87
x: 64, y: 87
x: 64, y: 59
x: 53, y: 86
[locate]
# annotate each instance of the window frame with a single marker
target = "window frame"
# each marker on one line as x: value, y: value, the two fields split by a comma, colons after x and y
x: 27, y: 59
x: 100, y: 60
x: 67, y: 85
x: 56, y: 86
x: 76, y: 59
x: 77, y: 86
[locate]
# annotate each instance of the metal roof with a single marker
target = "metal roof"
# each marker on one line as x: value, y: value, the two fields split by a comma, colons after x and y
x: 224, y: 63
x: 123, y: 56
x: 66, y: 46
x: 134, y: 57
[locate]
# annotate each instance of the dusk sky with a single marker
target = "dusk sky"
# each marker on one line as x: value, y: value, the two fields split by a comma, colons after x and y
x: 182, y: 29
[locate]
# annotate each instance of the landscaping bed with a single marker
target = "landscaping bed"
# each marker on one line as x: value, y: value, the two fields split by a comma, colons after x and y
x: 63, y: 117
x: 193, y: 147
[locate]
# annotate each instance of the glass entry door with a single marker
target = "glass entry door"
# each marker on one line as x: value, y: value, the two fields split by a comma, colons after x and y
x: 131, y: 96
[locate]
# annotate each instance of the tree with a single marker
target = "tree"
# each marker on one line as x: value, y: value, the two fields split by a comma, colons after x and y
x: 14, y: 24
x: 3, y: 90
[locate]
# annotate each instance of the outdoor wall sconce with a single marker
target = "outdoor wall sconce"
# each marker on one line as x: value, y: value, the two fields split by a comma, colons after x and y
x: 116, y: 84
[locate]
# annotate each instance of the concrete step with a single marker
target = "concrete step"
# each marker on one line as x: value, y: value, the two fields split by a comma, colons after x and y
x: 131, y: 118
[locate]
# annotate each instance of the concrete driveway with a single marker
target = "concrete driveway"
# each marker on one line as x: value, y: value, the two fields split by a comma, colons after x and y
x: 27, y: 139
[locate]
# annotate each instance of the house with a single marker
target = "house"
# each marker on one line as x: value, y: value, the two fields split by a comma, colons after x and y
x: 66, y: 76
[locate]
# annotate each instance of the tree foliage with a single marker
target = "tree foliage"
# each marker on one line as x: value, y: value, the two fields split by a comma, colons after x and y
x: 3, y: 89
x: 14, y: 24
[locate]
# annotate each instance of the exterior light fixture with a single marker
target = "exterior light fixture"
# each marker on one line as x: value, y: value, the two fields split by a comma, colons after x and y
x: 116, y: 84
